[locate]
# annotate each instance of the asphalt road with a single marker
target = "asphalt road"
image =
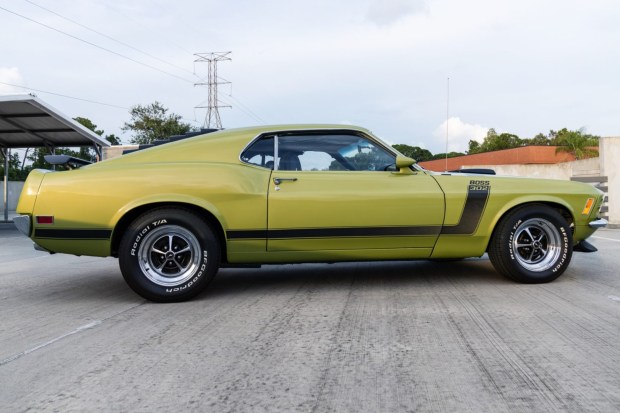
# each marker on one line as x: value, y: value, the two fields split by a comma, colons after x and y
x: 359, y: 337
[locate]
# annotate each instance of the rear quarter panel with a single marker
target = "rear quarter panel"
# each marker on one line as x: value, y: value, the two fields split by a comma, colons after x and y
x: 97, y: 198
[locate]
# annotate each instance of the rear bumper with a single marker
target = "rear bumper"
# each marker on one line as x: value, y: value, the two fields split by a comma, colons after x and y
x: 23, y: 224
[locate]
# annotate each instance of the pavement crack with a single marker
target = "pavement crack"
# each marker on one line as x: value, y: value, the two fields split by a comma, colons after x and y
x: 334, y: 344
x: 54, y: 340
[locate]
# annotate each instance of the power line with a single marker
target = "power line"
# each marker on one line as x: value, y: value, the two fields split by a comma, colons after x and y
x: 247, y: 110
x: 97, y: 46
x: 137, y: 22
x: 65, y: 96
x: 109, y: 37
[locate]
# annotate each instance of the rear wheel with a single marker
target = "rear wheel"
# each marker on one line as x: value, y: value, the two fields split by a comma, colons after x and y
x: 532, y: 244
x: 169, y: 255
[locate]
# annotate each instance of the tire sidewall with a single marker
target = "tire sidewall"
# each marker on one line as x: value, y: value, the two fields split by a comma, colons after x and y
x: 566, y: 240
x: 137, y: 233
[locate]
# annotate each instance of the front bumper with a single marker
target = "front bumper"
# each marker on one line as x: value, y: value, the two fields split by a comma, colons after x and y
x: 23, y: 224
x: 584, y: 245
x: 599, y: 223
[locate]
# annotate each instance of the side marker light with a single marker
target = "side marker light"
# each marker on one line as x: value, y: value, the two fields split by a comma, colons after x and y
x: 588, y: 207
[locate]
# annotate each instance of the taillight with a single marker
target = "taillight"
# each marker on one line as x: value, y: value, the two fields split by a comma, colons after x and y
x: 45, y: 219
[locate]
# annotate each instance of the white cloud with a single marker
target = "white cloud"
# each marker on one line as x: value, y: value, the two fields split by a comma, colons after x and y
x: 386, y: 12
x: 11, y: 76
x: 459, y: 134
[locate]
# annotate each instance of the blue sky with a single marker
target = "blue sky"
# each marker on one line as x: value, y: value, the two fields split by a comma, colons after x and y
x: 518, y: 66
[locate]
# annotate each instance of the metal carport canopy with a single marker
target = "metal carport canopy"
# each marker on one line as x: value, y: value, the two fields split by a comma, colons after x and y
x: 28, y: 122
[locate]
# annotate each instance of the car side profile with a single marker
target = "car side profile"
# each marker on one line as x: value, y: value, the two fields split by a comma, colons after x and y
x: 175, y: 213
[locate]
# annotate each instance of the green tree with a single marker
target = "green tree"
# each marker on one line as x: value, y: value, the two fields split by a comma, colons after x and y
x: 88, y: 124
x: 414, y: 152
x: 576, y: 142
x: 495, y: 142
x: 86, y: 152
x: 450, y: 155
x: 15, y: 171
x: 474, y: 147
x: 152, y: 122
x: 37, y: 156
x: 113, y: 139
x: 538, y: 140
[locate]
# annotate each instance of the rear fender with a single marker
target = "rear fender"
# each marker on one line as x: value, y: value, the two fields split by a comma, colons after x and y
x: 168, y: 199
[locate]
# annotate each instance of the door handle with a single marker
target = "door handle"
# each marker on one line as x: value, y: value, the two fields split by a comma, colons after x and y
x: 278, y: 181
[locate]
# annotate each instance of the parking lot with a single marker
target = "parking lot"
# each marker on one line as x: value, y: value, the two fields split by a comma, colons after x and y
x: 356, y: 337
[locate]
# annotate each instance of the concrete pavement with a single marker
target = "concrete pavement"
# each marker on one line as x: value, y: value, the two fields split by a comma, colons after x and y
x: 358, y: 337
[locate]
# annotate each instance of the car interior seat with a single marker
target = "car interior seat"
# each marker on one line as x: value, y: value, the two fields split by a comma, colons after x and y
x: 289, y: 162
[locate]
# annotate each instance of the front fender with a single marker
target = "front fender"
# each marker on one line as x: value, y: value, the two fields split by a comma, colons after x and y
x: 509, y: 204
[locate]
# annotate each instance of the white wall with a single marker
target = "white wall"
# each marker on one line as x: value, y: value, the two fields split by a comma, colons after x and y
x: 116, y: 151
x: 564, y: 170
x: 609, y: 149
x: 15, y: 188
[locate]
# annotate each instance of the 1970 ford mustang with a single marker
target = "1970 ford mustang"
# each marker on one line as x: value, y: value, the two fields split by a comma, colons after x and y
x: 173, y: 214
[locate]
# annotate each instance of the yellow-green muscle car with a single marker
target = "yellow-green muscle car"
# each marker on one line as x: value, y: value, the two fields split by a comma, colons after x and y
x: 174, y: 213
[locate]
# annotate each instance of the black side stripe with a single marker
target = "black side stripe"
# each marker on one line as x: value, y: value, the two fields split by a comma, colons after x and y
x: 470, y: 219
x: 73, y: 233
x: 335, y: 232
x: 472, y: 213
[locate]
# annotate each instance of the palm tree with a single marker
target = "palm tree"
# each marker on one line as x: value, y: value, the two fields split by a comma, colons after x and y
x: 577, y: 143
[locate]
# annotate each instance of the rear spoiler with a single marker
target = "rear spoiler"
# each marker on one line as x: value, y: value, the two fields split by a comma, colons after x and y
x: 67, y: 161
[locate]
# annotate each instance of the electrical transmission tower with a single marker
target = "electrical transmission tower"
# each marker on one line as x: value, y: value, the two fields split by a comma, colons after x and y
x: 212, y: 118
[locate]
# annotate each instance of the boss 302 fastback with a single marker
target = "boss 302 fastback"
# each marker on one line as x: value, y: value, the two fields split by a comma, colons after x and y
x: 174, y: 213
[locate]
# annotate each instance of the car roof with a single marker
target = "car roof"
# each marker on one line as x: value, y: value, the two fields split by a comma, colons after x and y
x: 223, y: 144
x: 261, y: 129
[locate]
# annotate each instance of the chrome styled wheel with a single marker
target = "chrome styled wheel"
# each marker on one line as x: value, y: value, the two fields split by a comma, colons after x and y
x: 537, y: 244
x: 169, y: 255
x: 532, y: 243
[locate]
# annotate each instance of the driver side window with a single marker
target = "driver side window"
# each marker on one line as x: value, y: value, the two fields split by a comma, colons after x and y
x: 332, y: 152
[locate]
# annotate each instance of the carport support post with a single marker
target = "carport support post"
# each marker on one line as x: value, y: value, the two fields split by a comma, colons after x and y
x: 5, y: 153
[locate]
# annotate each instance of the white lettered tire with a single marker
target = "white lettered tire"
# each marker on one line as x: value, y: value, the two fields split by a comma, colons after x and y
x: 169, y: 254
x: 532, y: 244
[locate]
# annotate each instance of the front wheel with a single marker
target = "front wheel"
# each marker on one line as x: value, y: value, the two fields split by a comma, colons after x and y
x: 532, y: 244
x: 169, y: 255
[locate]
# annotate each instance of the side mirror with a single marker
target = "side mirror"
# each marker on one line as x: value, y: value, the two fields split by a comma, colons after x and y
x: 403, y: 162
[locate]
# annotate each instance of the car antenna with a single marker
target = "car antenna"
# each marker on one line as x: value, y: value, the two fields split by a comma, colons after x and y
x: 447, y: 118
